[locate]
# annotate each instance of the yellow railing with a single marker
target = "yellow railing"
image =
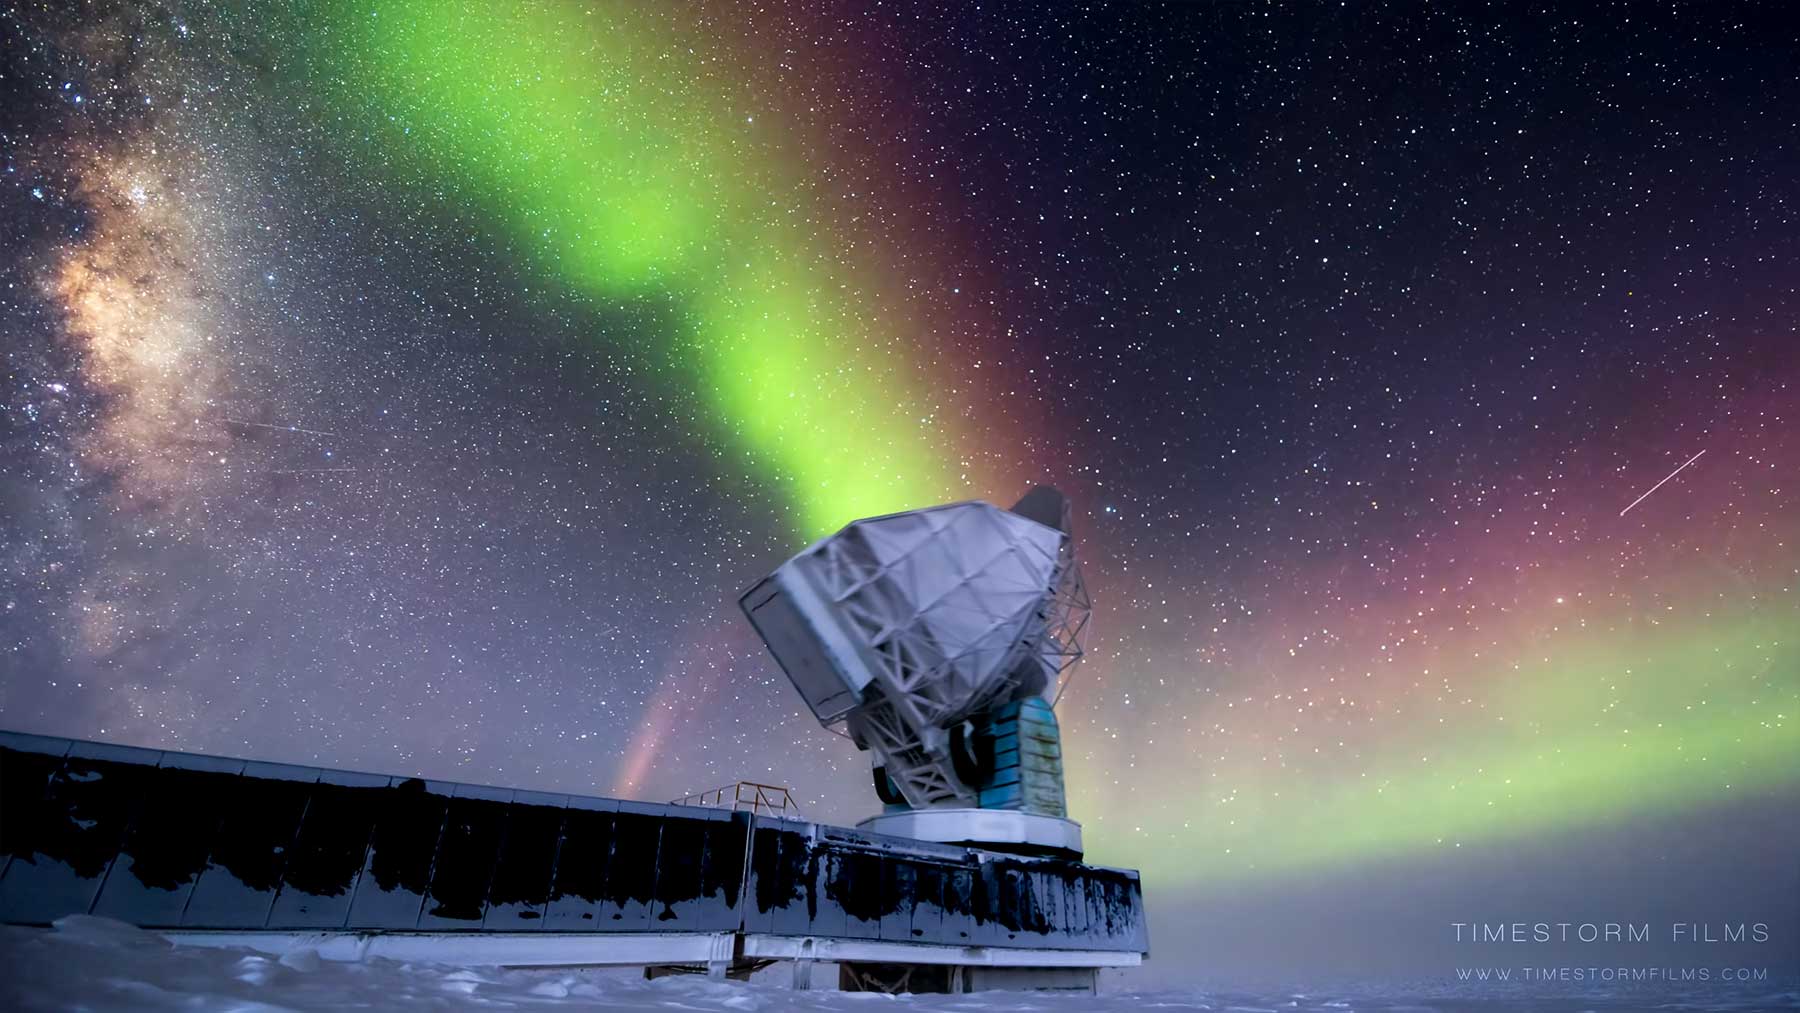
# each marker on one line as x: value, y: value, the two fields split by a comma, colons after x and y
x: 746, y: 796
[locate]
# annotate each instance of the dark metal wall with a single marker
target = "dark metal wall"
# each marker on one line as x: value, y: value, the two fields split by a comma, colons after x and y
x: 168, y: 840
x: 812, y: 879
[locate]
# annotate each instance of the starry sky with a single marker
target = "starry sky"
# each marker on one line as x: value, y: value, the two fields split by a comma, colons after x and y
x: 413, y: 386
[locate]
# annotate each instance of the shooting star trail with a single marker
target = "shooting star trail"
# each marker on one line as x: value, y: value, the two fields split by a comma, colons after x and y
x: 1659, y: 485
x: 284, y: 429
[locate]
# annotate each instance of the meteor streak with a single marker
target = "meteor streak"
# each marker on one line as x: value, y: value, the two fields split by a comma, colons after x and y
x: 285, y: 429
x: 1659, y: 485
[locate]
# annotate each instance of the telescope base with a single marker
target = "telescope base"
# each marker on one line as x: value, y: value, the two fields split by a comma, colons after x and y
x: 1006, y: 830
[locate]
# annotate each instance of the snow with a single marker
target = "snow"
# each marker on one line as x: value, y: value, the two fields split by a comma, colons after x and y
x: 99, y: 965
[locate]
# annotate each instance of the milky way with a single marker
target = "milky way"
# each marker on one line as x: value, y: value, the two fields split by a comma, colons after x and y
x: 413, y: 388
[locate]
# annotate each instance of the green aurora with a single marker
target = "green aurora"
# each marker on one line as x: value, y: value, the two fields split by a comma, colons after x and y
x: 619, y: 159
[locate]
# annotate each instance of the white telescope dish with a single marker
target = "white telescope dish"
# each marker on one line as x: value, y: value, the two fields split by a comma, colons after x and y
x: 908, y: 626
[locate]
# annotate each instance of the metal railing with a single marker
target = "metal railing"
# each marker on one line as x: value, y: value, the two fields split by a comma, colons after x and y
x: 746, y: 796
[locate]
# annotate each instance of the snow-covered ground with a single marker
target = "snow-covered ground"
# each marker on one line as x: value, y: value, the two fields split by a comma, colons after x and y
x: 93, y: 964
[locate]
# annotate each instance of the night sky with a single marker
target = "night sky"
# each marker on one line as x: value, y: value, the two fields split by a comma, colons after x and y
x: 413, y: 387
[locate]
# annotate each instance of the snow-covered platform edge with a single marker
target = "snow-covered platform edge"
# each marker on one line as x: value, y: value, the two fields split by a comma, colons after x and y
x: 479, y: 949
x: 578, y: 949
x: 811, y: 948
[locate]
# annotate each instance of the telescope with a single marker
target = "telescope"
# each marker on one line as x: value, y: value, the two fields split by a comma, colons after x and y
x: 939, y: 639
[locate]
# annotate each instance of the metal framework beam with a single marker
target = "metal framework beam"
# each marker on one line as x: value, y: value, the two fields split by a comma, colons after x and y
x: 880, y: 952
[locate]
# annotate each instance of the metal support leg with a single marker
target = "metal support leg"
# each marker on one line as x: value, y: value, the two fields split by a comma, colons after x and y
x: 723, y: 951
x: 803, y: 965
